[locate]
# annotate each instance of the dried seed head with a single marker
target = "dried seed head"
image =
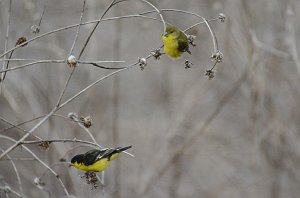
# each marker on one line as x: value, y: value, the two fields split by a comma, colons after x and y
x: 35, y: 29
x: 45, y: 145
x: 222, y: 17
x: 187, y: 64
x: 91, y: 178
x: 210, y: 73
x: 21, y: 40
x: 39, y: 183
x: 86, y: 121
x: 191, y: 39
x: 72, y: 61
x: 142, y: 63
x: 156, y: 54
x: 217, y: 56
x: 36, y: 181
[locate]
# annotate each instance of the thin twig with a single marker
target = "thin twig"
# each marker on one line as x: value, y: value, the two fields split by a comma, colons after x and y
x: 24, y: 59
x: 78, y: 28
x: 213, y: 35
x: 42, y: 15
x: 104, y: 67
x: 90, y: 62
x: 20, y: 159
x: 33, y: 63
x: 79, y: 61
x: 7, y: 66
x: 62, y: 140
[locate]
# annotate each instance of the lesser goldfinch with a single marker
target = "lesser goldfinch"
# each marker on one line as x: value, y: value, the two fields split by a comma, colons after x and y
x: 175, y: 42
x: 96, y: 160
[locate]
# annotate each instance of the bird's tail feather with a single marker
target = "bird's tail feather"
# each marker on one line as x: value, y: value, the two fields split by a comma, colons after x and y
x: 121, y: 149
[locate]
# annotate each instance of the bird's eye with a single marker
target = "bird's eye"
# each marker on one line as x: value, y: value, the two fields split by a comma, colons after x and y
x: 171, y: 32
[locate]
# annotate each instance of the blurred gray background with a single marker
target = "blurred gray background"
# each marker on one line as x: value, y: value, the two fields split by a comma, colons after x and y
x: 236, y: 135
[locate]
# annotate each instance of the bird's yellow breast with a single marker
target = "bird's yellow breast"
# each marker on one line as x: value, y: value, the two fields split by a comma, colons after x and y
x: 171, y: 46
x: 98, y: 166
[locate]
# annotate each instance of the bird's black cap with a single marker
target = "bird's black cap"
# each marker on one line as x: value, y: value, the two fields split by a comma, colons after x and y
x: 77, y: 158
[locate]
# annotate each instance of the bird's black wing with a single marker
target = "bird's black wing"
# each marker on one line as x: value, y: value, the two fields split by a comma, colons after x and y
x: 183, y: 44
x: 91, y: 156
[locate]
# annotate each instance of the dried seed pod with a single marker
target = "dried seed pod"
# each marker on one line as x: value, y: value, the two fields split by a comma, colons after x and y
x: 21, y: 40
x: 142, y: 63
x: 72, y: 61
x: 156, y: 54
x: 86, y: 121
x: 45, y: 145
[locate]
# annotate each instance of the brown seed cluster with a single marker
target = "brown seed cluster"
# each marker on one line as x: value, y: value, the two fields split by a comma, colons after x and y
x: 91, y: 178
x: 86, y: 121
x: 21, y: 40
x: 45, y: 145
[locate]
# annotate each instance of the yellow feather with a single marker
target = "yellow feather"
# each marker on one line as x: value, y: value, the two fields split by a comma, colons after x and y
x: 171, y: 46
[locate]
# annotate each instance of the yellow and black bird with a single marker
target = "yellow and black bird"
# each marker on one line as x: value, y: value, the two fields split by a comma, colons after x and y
x: 175, y: 42
x: 96, y: 160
